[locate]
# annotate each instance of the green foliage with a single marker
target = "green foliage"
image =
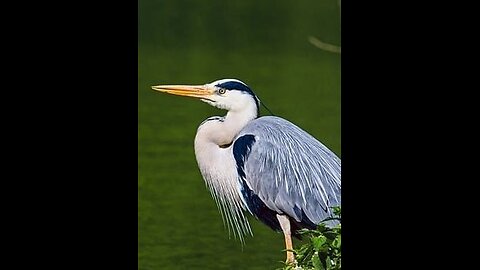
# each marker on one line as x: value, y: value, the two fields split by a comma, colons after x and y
x: 323, y: 250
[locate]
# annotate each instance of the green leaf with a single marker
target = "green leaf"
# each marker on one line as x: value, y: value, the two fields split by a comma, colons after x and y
x: 304, y: 254
x: 337, y: 211
x: 318, y: 242
x: 338, y: 241
x: 328, y: 263
x: 316, y: 263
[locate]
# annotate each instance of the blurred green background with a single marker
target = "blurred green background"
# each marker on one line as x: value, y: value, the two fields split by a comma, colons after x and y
x: 263, y: 43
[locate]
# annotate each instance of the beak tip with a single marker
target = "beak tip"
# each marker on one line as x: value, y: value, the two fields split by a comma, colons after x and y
x: 155, y: 88
x: 197, y: 91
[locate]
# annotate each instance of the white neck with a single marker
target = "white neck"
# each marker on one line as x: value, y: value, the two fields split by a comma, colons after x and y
x: 213, y: 150
x: 235, y: 121
x: 223, y: 132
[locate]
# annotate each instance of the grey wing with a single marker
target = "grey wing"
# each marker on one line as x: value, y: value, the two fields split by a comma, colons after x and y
x: 291, y: 171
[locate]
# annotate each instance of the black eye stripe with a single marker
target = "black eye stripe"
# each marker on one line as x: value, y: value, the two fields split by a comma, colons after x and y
x: 233, y: 85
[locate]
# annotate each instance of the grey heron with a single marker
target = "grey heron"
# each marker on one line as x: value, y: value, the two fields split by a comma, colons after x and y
x: 264, y: 165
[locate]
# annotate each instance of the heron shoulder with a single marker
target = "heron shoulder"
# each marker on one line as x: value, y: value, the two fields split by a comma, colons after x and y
x: 266, y: 122
x: 275, y: 128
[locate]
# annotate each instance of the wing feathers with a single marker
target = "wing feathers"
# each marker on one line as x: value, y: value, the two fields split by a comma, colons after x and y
x: 288, y: 169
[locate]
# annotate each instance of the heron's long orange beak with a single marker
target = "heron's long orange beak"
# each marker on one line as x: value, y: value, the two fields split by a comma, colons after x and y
x: 198, y: 91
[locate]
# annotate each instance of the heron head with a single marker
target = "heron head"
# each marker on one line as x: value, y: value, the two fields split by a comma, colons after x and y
x: 227, y: 94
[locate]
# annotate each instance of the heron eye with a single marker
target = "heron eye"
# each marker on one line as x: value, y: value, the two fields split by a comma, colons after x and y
x: 222, y: 91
